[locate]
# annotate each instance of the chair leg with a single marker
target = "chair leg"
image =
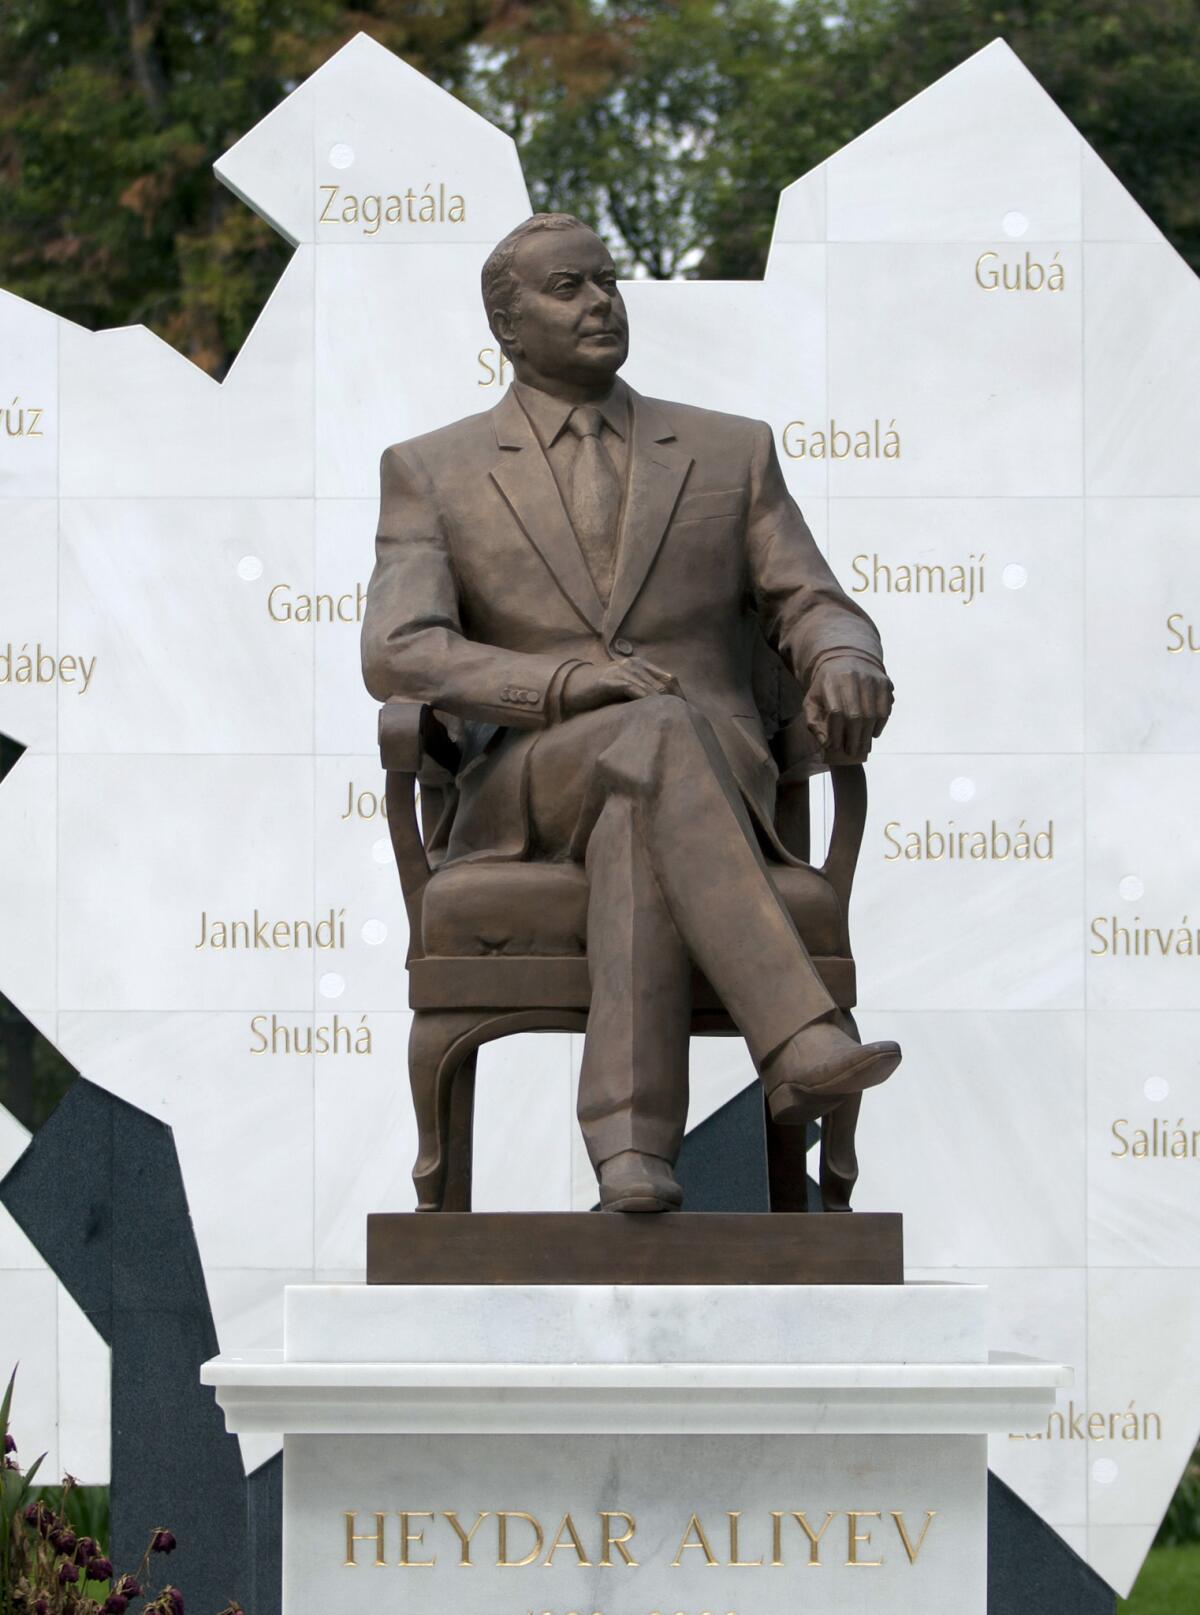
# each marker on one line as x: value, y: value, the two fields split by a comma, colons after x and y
x: 441, y: 1069
x: 839, y: 1163
x: 460, y: 1139
x: 440, y: 1044
x: 787, y: 1164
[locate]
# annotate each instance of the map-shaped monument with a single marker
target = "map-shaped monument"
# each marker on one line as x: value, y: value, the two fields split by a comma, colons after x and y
x: 977, y: 355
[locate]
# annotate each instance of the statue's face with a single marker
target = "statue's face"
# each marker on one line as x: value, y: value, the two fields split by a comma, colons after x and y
x: 570, y: 322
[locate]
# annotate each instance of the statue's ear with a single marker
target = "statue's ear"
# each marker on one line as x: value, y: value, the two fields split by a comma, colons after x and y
x: 504, y: 329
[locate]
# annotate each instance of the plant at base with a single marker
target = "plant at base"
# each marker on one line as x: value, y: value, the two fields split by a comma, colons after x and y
x: 47, y: 1568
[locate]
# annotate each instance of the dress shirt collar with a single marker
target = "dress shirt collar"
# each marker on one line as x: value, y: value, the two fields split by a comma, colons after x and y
x: 549, y: 415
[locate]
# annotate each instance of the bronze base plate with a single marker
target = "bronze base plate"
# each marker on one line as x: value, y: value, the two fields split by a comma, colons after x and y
x: 572, y: 1247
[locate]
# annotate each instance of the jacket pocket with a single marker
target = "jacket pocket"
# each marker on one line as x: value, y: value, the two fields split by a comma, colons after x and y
x: 701, y: 506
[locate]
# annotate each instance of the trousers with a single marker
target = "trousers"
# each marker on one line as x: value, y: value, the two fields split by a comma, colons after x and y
x: 643, y: 796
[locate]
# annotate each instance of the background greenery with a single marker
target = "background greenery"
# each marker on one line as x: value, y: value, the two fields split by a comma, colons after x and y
x: 670, y: 124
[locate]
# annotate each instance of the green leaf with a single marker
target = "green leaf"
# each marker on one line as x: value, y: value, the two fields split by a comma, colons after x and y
x: 7, y: 1402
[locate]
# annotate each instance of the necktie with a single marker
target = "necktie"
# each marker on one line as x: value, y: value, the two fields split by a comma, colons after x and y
x: 595, y: 496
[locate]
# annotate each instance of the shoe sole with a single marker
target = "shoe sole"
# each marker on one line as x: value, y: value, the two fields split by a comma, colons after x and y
x: 638, y: 1202
x: 792, y: 1105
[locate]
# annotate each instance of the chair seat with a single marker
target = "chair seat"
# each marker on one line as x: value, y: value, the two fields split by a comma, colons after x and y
x: 485, y: 910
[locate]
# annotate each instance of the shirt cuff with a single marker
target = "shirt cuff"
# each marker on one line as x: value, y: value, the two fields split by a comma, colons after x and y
x: 831, y: 651
x: 557, y: 684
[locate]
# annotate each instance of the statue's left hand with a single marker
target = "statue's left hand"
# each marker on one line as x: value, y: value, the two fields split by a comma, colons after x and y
x: 848, y: 703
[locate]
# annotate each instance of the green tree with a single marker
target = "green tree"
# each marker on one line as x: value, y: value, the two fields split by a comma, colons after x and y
x: 111, y: 115
x: 670, y: 124
x: 698, y: 112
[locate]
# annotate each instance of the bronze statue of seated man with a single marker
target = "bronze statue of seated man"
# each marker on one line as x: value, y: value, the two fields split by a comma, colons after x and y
x: 579, y: 578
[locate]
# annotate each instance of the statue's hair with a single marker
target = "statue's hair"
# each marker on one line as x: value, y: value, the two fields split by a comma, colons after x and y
x: 501, y: 288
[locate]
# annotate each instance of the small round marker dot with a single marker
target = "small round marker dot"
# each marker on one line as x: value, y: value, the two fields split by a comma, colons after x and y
x: 962, y: 789
x: 1104, y: 1471
x: 374, y: 932
x: 331, y: 985
x: 1131, y: 888
x: 1014, y: 576
x: 1014, y: 223
x: 341, y: 155
x: 250, y: 568
x: 382, y: 851
x: 1157, y: 1089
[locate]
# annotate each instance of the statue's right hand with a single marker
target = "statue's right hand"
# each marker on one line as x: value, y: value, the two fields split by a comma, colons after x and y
x: 588, y: 687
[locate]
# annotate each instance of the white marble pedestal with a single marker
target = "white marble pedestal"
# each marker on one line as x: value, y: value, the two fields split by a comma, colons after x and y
x: 572, y: 1450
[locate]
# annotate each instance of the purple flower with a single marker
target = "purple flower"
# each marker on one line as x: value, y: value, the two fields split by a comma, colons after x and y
x: 39, y: 1516
x: 63, y: 1538
x: 100, y: 1568
x: 129, y: 1587
x: 175, y: 1598
x: 41, y: 1606
x: 86, y: 1548
x: 9, y: 1444
x: 68, y: 1572
x: 115, y: 1604
x: 164, y: 1541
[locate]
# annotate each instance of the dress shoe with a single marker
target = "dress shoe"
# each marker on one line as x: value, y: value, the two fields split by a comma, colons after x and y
x: 818, y: 1067
x: 632, y: 1181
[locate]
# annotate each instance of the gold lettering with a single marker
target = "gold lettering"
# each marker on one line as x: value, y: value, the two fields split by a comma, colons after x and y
x: 1027, y: 275
x: 517, y: 1514
x: 496, y: 367
x: 353, y: 1536
x: 415, y: 1539
x: 701, y: 1542
x: 608, y: 1542
x: 834, y: 442
x: 912, y: 1551
x: 734, y: 1562
x: 814, y: 1538
x: 776, y: 1536
x: 853, y: 1516
x: 464, y: 1537
x: 26, y: 664
x: 568, y: 1525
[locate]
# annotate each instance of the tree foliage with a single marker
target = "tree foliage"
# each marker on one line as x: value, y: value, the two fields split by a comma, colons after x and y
x: 711, y: 107
x: 112, y: 113
x: 671, y: 124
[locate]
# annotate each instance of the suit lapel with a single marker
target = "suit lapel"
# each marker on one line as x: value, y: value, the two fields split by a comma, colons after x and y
x: 523, y: 475
x: 657, y: 468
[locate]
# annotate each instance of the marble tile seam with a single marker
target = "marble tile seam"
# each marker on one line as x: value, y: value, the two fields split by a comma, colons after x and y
x: 882, y: 755
x: 371, y: 499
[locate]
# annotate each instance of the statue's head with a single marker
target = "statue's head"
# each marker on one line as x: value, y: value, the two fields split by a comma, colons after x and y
x: 552, y: 301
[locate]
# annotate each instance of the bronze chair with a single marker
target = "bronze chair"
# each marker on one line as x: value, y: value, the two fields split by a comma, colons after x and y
x: 499, y: 948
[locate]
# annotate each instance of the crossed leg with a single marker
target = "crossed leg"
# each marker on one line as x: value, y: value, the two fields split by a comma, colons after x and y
x: 642, y: 794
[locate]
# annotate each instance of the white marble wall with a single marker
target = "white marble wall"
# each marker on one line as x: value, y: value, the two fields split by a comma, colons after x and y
x: 166, y: 532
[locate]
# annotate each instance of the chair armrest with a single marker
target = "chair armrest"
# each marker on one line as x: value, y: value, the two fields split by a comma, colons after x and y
x: 797, y: 751
x: 412, y: 738
x: 413, y: 747
x: 849, y: 781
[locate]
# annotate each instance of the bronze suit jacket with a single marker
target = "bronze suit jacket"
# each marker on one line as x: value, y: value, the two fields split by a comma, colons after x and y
x: 480, y: 594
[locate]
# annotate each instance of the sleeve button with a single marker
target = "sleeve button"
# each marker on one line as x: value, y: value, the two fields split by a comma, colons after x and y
x: 623, y: 647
